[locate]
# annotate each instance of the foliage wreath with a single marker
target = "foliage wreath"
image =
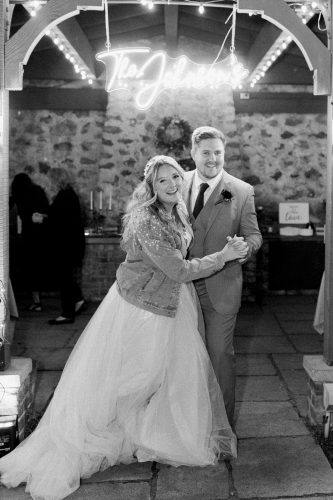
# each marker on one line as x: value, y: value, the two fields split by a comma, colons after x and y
x: 165, y: 140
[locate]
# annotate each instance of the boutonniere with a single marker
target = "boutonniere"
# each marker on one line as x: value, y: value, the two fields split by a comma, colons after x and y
x: 226, y: 196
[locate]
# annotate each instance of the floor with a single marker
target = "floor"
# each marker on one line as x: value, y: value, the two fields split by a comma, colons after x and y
x: 279, y: 457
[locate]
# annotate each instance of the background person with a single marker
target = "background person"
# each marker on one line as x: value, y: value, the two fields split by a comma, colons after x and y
x: 220, y: 205
x: 67, y: 244
x: 30, y: 198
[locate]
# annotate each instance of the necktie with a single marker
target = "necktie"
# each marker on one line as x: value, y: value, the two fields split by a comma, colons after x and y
x: 199, y: 202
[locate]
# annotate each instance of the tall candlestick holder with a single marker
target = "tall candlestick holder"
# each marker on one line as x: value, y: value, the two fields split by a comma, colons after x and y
x: 97, y: 218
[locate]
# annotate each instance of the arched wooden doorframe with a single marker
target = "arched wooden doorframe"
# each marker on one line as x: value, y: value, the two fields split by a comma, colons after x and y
x: 16, y: 51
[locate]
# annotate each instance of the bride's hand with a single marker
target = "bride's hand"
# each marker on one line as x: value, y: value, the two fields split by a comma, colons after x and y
x: 236, y: 248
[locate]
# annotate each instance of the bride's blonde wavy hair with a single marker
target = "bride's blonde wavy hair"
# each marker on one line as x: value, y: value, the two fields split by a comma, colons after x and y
x: 144, y: 194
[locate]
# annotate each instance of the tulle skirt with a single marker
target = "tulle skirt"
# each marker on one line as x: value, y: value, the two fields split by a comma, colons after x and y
x: 136, y: 387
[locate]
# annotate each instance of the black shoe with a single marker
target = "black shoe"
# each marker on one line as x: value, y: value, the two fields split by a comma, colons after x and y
x: 83, y: 307
x: 61, y: 321
x: 35, y: 307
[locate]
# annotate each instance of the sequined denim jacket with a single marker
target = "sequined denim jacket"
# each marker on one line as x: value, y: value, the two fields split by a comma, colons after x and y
x: 155, y: 266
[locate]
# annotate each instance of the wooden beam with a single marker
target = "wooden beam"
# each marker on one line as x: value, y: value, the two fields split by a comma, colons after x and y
x: 272, y: 103
x: 19, y: 46
x: 49, y: 65
x: 58, y: 99
x: 171, y: 28
x: 316, y: 54
x: 73, y: 33
x: 263, y: 42
x: 96, y: 99
x: 123, y: 27
x: 328, y: 290
x: 4, y: 191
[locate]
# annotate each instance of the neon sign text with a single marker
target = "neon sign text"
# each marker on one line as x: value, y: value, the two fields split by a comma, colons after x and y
x: 157, y: 72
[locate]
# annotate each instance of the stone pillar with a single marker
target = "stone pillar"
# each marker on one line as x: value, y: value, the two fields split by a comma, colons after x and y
x: 318, y: 372
x: 17, y: 393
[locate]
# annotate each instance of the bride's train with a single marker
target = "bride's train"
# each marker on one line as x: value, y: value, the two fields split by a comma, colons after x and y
x: 137, y: 387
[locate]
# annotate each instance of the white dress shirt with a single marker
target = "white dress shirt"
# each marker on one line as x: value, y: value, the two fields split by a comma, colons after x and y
x: 196, y: 186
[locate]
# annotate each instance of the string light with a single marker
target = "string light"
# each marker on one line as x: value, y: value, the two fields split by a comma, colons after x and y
x: 201, y: 9
x: 305, y: 13
x: 62, y: 43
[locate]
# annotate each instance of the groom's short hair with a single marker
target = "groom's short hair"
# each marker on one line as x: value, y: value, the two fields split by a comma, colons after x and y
x: 206, y: 132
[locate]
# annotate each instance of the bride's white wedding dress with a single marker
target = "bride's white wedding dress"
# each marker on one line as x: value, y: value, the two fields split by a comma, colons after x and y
x: 137, y: 387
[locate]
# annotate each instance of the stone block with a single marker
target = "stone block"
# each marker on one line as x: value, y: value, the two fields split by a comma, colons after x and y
x: 296, y: 381
x: 281, y: 467
x: 131, y: 472
x: 17, y: 372
x: 308, y: 343
x: 17, y: 401
x: 263, y: 324
x: 112, y: 491
x: 254, y: 364
x: 263, y: 344
x: 317, y: 369
x: 288, y: 361
x: 192, y: 483
x: 260, y: 389
x: 268, y: 419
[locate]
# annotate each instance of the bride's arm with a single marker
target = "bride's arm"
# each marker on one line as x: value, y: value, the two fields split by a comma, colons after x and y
x: 157, y: 245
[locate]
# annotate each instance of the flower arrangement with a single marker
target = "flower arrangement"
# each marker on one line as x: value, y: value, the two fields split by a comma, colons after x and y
x: 173, y: 135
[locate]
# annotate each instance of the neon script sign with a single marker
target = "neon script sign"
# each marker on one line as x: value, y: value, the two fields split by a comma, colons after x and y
x: 156, y: 72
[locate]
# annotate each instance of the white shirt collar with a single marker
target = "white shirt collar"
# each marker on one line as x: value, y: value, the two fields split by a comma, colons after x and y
x: 196, y: 186
x: 211, y: 182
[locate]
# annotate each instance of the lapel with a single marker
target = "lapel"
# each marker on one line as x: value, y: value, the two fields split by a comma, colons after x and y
x: 216, y: 203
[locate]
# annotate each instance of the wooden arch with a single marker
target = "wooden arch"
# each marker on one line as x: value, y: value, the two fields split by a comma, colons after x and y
x: 314, y: 51
x: 19, y: 47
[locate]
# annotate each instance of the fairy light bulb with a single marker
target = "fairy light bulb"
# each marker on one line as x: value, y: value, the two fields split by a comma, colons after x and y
x: 201, y: 9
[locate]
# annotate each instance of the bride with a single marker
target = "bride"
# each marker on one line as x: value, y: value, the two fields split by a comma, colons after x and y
x: 139, y: 385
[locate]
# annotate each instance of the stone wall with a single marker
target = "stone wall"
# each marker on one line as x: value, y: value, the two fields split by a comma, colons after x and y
x: 283, y: 156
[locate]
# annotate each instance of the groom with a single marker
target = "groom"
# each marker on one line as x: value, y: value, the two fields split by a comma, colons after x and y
x: 220, y: 205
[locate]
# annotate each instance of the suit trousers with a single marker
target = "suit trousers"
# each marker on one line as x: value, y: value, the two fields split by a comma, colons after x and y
x: 219, y: 330
x: 70, y: 290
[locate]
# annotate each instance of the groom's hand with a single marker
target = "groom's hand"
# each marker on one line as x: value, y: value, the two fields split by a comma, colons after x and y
x: 235, y: 239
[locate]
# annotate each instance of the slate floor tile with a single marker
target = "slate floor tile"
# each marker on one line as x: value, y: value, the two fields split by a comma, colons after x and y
x: 286, y: 467
x: 192, y: 483
x: 254, y: 364
x: 258, y: 388
x: 267, y: 419
x: 262, y: 345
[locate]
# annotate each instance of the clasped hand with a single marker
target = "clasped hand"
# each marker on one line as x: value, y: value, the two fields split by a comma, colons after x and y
x: 37, y: 218
x: 236, y: 248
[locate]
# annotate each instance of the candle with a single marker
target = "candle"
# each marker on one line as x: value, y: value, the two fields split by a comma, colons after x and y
x: 91, y: 200
x: 100, y: 200
x: 110, y: 199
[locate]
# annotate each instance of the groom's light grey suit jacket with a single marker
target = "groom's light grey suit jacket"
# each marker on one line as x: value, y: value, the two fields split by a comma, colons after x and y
x: 218, y: 219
